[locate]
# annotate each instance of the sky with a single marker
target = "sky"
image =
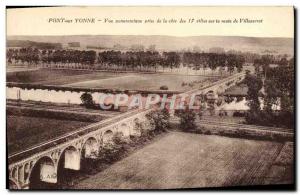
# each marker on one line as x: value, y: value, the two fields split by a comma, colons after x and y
x: 275, y: 21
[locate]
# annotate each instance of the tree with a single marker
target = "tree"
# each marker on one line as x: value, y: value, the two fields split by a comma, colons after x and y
x: 159, y: 119
x: 87, y: 100
x: 280, y: 88
x: 240, y: 60
x: 271, y: 95
x: 187, y: 119
x: 264, y: 63
x: 283, y: 62
x: 230, y: 62
x: 235, y: 61
x: 254, y: 84
x: 171, y: 59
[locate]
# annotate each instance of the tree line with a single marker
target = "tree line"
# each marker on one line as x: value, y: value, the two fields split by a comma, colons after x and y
x: 35, y: 56
x: 127, y: 60
x: 279, y: 90
x: 263, y: 64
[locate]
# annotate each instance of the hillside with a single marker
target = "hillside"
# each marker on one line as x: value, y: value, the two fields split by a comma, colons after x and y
x: 252, y: 44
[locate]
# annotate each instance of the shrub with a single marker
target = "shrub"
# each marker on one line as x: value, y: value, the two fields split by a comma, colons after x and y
x: 228, y: 99
x: 146, y: 134
x: 222, y: 112
x: 159, y: 119
x: 199, y: 131
x: 109, y: 152
x: 221, y: 132
x: 253, y: 117
x: 113, y: 150
x: 239, y: 98
x: 119, y: 138
x: 87, y: 100
x: 238, y: 114
x: 208, y: 132
x: 187, y: 119
x: 240, y: 133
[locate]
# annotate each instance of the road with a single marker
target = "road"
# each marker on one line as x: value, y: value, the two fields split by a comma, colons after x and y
x: 186, y: 160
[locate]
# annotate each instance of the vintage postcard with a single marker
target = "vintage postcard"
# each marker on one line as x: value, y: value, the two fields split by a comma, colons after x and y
x: 150, y: 98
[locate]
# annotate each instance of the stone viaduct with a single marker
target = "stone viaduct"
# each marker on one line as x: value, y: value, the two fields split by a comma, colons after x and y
x: 71, y: 152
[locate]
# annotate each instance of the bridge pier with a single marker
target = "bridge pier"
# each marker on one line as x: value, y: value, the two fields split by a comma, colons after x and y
x: 48, y: 172
x: 72, y: 159
x: 21, y: 174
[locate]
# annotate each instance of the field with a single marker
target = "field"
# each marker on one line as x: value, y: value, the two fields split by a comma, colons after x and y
x: 23, y: 131
x: 142, y: 82
x: 54, y: 77
x: 11, y: 69
x: 185, y: 160
x: 57, y: 111
x: 90, y: 79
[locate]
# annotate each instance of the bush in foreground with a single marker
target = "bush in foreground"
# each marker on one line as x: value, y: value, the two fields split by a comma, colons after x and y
x: 114, y: 149
x: 187, y: 119
x: 159, y: 119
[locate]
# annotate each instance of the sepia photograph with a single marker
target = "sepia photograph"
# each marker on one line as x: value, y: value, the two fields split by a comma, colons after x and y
x: 150, y: 98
